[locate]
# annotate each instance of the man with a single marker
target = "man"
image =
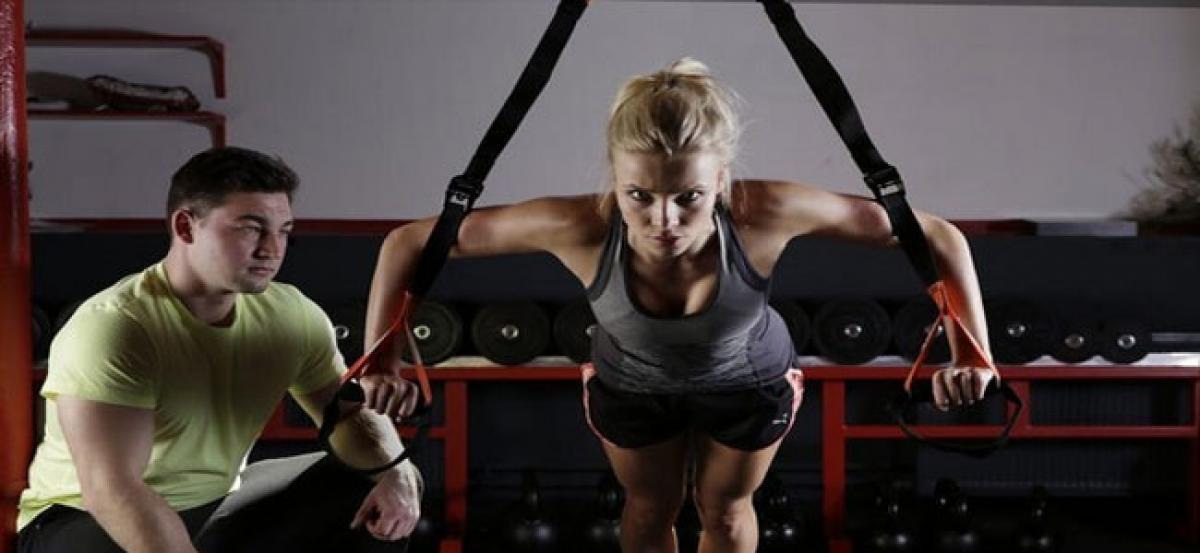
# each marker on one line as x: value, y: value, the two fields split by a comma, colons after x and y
x: 158, y: 387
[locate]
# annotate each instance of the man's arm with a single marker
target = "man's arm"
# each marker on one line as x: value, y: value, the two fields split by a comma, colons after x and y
x: 110, y: 446
x: 367, y: 439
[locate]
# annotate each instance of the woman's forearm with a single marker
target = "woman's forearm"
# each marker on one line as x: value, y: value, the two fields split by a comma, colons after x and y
x: 393, y: 270
x: 952, y: 254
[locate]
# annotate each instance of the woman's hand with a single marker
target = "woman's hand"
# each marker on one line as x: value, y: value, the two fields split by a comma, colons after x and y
x: 958, y: 386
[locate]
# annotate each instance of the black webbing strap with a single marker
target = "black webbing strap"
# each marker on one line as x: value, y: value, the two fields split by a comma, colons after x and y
x: 885, y: 183
x: 465, y: 188
x: 882, y: 178
x: 461, y: 195
x: 902, y: 404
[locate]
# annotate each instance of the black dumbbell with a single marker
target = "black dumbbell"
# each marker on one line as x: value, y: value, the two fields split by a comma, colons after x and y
x: 348, y: 321
x: 911, y: 324
x: 1020, y: 331
x: 511, y: 333
x: 851, y: 331
x: 798, y: 323
x: 574, y: 325
x: 437, y: 329
x: 1076, y: 340
x: 1124, y: 341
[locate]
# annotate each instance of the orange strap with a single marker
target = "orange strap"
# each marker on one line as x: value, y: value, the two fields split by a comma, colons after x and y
x: 970, y: 354
x: 383, y: 346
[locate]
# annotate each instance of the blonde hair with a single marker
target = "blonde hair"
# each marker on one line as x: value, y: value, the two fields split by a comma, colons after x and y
x: 681, y: 109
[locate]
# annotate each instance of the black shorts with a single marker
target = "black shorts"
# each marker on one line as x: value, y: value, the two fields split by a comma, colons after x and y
x: 748, y: 420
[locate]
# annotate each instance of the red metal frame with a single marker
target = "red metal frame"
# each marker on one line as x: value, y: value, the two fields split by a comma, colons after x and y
x: 119, y: 38
x: 835, y: 431
x: 16, y: 355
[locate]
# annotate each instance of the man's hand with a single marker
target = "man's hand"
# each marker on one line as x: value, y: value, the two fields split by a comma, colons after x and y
x: 958, y: 386
x: 393, y: 507
x: 390, y: 395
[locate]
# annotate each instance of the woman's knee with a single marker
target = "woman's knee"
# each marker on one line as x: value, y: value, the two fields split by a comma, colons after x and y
x: 652, y: 510
x: 728, y: 516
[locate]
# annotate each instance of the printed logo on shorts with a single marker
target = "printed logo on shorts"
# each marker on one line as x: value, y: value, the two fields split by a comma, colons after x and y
x: 782, y: 418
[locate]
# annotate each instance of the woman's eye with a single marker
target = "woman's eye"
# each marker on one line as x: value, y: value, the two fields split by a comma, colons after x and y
x: 638, y: 196
x: 689, y: 196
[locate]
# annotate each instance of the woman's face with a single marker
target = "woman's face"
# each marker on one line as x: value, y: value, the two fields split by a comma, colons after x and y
x: 667, y: 202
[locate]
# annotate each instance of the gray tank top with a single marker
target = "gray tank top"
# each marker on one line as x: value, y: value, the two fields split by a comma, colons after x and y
x: 737, y: 342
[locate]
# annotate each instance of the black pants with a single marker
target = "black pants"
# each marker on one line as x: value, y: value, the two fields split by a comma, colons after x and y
x: 294, y: 504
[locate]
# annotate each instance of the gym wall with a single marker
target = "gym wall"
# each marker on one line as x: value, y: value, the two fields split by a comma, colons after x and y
x: 990, y: 111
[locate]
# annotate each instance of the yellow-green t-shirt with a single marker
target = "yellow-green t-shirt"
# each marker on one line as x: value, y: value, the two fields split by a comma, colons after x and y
x: 212, y: 389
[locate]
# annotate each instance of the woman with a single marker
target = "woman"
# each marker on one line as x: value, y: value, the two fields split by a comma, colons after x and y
x: 688, y: 357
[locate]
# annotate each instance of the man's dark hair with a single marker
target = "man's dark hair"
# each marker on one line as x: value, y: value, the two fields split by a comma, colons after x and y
x: 204, y: 181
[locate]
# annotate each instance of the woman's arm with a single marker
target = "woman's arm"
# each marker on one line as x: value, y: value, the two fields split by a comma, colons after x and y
x: 776, y: 212
x: 569, y: 228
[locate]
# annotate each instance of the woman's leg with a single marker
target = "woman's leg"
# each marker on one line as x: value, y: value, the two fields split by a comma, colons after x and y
x: 654, y: 480
x: 725, y: 482
x: 742, y: 433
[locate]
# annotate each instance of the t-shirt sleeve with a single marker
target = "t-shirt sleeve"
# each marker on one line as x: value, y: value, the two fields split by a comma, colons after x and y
x: 103, y: 354
x: 321, y: 363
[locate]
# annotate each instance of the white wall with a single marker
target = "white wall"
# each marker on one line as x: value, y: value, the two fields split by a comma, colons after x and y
x: 989, y: 111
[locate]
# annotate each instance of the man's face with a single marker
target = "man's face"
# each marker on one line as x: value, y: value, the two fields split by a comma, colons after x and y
x: 239, y: 245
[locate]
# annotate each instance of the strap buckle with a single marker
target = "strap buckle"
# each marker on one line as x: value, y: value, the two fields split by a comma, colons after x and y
x: 463, y: 191
x: 885, y: 182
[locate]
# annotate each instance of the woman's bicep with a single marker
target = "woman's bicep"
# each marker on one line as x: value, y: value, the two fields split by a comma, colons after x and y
x: 546, y: 224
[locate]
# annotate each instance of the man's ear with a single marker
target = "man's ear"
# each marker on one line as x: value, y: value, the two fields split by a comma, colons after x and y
x: 183, y: 223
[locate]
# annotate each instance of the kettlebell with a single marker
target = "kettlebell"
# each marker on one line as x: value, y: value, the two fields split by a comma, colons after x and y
x: 780, y: 529
x: 602, y: 532
x: 530, y: 530
x: 955, y: 534
x: 1035, y: 535
x: 887, y: 534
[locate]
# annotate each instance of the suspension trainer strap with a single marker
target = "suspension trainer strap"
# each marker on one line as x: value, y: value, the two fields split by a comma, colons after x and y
x: 888, y: 188
x: 465, y: 188
x: 460, y: 198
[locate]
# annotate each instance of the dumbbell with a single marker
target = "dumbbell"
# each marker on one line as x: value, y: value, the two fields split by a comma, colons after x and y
x: 798, y: 322
x: 1020, y: 331
x: 911, y: 324
x: 574, y: 325
x: 510, y: 333
x: 437, y: 329
x: 1124, y: 341
x: 348, y: 320
x: 851, y: 331
x: 1075, y: 341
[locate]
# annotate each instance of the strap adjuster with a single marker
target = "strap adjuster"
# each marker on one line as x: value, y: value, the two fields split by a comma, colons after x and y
x: 885, y: 182
x: 463, y: 191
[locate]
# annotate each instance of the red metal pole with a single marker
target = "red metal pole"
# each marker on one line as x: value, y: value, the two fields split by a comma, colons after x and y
x: 16, y: 355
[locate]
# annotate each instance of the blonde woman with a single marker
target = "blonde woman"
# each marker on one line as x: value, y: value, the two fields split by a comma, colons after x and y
x: 676, y: 256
